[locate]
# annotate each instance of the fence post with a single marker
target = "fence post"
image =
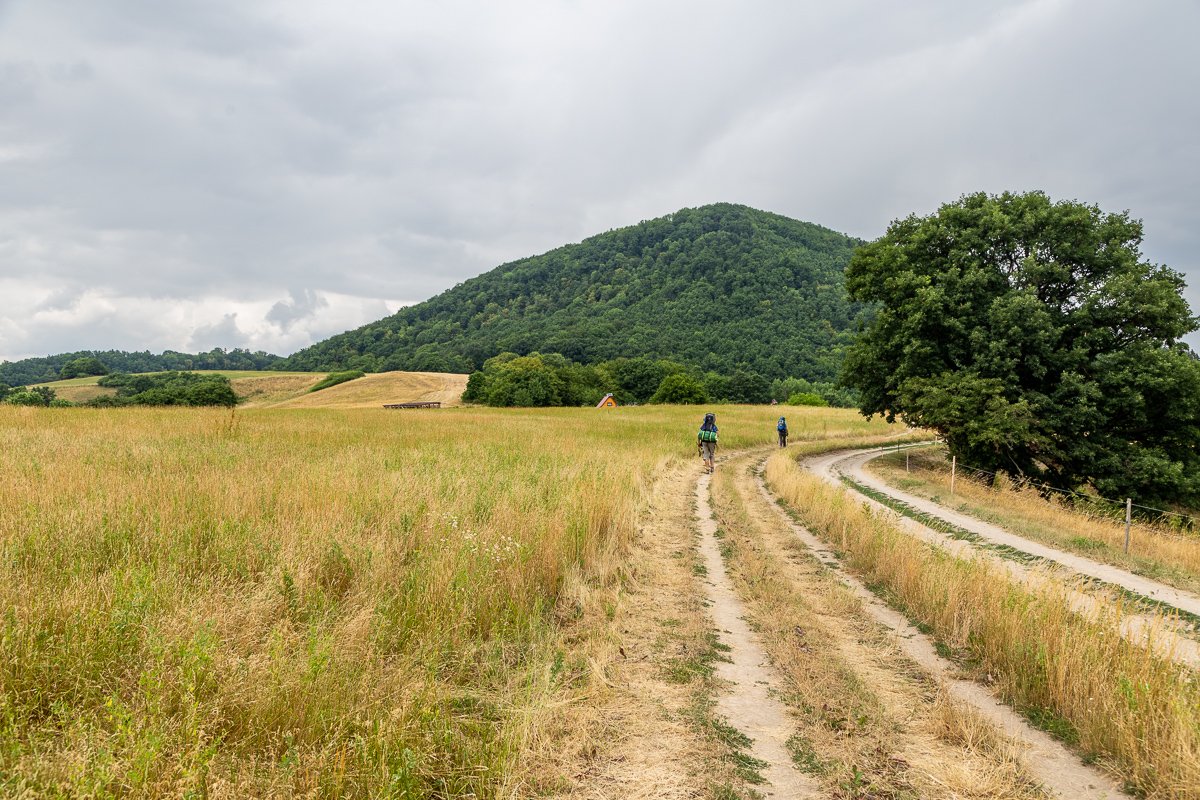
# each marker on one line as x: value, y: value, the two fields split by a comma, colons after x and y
x: 907, y: 465
x: 1128, y: 517
x: 953, y: 471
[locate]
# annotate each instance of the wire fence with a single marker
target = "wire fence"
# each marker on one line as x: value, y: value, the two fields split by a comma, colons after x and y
x: 1162, y: 520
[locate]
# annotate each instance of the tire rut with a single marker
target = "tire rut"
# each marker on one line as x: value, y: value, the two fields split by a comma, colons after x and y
x: 1054, y: 766
x: 751, y: 704
x: 1059, y: 567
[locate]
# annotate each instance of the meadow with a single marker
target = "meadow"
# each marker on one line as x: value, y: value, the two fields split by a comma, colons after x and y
x: 319, y: 602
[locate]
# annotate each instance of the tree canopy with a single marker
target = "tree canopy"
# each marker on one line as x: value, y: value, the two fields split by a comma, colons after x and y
x: 1036, y: 340
x: 549, y: 379
x: 167, y: 389
x: 719, y: 288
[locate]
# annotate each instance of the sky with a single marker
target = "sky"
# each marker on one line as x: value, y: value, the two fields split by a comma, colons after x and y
x: 208, y: 173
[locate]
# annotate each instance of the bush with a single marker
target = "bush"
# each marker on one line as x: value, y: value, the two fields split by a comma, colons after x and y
x: 680, y: 389
x: 806, y: 399
x: 167, y: 389
x: 83, y: 367
x: 30, y: 396
x: 334, y: 378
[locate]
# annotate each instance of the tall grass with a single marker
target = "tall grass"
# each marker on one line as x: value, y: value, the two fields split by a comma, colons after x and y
x: 334, y: 603
x: 1076, y: 675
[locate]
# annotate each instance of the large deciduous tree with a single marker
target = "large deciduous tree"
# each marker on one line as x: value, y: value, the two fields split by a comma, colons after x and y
x: 1036, y: 339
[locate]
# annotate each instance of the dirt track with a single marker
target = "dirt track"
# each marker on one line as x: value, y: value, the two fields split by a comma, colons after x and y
x: 838, y: 694
x: 857, y: 655
x: 1058, y: 567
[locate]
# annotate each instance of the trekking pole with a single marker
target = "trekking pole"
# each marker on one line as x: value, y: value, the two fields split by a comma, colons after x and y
x: 953, y: 471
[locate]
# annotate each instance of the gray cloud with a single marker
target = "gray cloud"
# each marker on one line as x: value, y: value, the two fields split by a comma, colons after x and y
x: 172, y: 173
x: 303, y: 304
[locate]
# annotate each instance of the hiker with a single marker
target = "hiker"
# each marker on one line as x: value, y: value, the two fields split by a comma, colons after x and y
x: 706, y: 441
x: 782, y: 429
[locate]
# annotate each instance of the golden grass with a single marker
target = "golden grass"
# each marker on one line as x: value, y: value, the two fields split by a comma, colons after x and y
x: 83, y: 392
x: 1078, y: 676
x: 376, y: 389
x: 266, y: 390
x: 1155, y: 552
x: 321, y: 602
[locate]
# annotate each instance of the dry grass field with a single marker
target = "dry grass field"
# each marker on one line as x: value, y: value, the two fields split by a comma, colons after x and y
x: 376, y: 389
x: 265, y: 388
x: 317, y: 602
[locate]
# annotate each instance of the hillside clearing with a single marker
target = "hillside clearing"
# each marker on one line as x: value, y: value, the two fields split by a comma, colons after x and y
x: 376, y: 389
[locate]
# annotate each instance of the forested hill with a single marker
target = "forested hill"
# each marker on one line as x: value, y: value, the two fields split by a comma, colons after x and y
x: 717, y: 287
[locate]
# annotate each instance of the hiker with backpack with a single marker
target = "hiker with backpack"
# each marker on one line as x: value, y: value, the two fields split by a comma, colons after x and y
x: 706, y: 441
x: 781, y: 428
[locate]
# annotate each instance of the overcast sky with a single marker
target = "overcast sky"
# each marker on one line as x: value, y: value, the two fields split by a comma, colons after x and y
x: 188, y: 175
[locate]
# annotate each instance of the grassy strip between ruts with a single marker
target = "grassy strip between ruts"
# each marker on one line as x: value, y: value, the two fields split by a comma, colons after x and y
x: 1137, y: 713
x: 327, y: 603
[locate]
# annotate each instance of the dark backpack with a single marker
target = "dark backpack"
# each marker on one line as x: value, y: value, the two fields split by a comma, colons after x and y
x: 782, y: 426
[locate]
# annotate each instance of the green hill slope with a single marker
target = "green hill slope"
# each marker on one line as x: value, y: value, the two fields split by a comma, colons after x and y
x: 717, y: 287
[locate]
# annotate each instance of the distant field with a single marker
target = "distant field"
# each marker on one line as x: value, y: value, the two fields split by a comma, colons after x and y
x: 317, y: 602
x: 263, y: 388
x: 376, y: 389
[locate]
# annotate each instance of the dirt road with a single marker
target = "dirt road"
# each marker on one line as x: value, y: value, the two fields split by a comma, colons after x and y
x: 1056, y: 566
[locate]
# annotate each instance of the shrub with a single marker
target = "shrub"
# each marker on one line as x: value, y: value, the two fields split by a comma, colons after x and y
x: 30, y: 396
x: 82, y: 367
x: 334, y: 378
x: 806, y: 399
x: 167, y: 389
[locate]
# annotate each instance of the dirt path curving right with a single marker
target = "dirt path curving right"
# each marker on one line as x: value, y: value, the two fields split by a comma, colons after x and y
x: 1055, y: 767
x: 1056, y: 567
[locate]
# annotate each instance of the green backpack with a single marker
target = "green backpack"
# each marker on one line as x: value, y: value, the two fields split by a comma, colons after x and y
x: 708, y: 436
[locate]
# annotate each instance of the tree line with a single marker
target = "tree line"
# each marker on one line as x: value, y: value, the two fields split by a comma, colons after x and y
x: 154, y: 389
x: 551, y: 379
x: 66, y: 365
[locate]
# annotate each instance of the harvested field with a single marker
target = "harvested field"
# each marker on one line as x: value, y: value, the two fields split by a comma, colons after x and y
x: 376, y: 389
